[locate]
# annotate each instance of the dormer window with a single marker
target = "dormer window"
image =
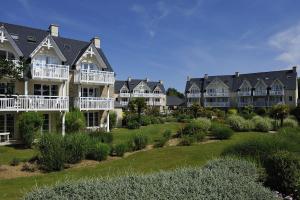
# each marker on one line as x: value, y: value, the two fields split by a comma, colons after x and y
x: 88, y: 66
x: 156, y: 91
x: 45, y: 60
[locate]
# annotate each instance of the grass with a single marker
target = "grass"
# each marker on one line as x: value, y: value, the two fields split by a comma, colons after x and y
x: 153, y: 131
x: 142, y: 162
x: 7, y: 153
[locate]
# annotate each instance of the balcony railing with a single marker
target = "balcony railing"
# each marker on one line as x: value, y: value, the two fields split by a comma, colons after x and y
x: 158, y: 95
x: 34, y: 103
x: 276, y: 92
x: 216, y: 104
x: 216, y: 94
x: 260, y: 93
x: 94, y: 103
x: 244, y: 93
x: 124, y: 94
x: 50, y: 71
x: 243, y: 104
x: 123, y: 103
x: 193, y: 95
x: 94, y: 77
x: 145, y: 95
x: 259, y: 104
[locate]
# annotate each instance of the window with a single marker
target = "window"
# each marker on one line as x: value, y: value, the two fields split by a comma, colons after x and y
x: 45, y: 90
x: 125, y: 99
x: 89, y: 66
x: 147, y: 99
x: 92, y: 119
x: 157, y: 99
x: 45, y: 59
x: 7, y: 124
x: 156, y: 91
x: 6, y: 55
x: 89, y: 92
x: 7, y: 88
x: 46, y: 123
x: 290, y: 98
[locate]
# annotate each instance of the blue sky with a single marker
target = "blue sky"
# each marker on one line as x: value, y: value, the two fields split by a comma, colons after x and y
x: 173, y: 39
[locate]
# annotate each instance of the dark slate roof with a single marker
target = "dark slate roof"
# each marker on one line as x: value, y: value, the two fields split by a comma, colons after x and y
x: 174, y: 101
x: 134, y: 82
x: 287, y: 77
x: 71, y: 49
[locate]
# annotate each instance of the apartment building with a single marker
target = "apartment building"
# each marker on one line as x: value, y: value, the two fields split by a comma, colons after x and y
x: 63, y: 73
x: 262, y: 89
x: 153, y: 92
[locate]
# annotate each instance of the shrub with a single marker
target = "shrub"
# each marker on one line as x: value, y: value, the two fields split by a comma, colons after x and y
x: 29, y: 124
x: 15, y: 162
x: 188, y: 183
x: 133, y: 125
x: 232, y: 111
x: 52, y: 152
x: 154, y: 120
x: 236, y: 122
x: 112, y: 120
x: 222, y: 132
x: 183, y: 118
x: 98, y: 151
x: 167, y: 134
x: 145, y: 120
x: 75, y: 121
x: 262, y: 124
x: 120, y: 149
x: 170, y: 119
x: 28, y: 167
x: 283, y: 169
x: 139, y: 141
x: 76, y: 146
x: 290, y: 123
x: 261, y: 111
x: 186, y: 141
x: 162, y: 141
x: 103, y: 137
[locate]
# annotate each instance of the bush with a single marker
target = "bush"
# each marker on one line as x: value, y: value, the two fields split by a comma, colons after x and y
x: 162, y: 141
x: 75, y: 121
x: 154, y: 120
x: 29, y: 124
x: 283, y: 169
x: 15, y: 162
x: 262, y: 124
x: 103, y: 137
x: 112, y: 120
x: 76, y: 146
x: 98, y: 151
x: 189, y: 183
x: 145, y: 120
x: 186, y: 141
x: 232, y: 111
x: 222, y: 132
x: 120, y: 149
x: 184, y: 118
x: 167, y: 134
x: 238, y: 123
x: 52, y: 152
x: 290, y: 123
x: 28, y: 167
x: 133, y: 124
x: 261, y: 111
x: 139, y: 141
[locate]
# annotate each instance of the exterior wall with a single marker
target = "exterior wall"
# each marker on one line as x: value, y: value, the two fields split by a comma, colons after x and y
x: 293, y: 94
x: 119, y: 113
x: 6, y: 46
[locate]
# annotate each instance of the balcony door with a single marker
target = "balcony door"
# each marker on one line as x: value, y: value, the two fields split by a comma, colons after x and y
x: 7, y: 124
x: 90, y: 92
x: 89, y: 66
x: 43, y: 60
x: 45, y: 90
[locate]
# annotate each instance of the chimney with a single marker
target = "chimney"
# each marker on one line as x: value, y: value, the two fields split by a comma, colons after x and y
x: 205, y: 76
x: 96, y: 41
x: 161, y: 82
x: 294, y: 69
x: 147, y: 80
x: 129, y: 79
x: 53, y: 29
x: 237, y: 74
x: 188, y: 78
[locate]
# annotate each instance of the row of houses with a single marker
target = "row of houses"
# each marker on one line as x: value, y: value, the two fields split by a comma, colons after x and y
x: 65, y: 73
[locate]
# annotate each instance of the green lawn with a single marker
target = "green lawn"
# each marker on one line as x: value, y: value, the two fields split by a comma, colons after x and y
x: 142, y: 162
x: 153, y: 131
x: 7, y: 153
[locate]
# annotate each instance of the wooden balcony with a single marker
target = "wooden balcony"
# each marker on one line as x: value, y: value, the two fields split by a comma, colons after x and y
x: 193, y: 95
x: 94, y: 77
x: 94, y: 103
x: 34, y: 103
x: 217, y: 104
x: 51, y: 72
x: 216, y: 94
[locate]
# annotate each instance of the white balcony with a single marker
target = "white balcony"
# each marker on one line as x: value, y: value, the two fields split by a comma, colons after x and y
x: 216, y: 104
x: 244, y: 93
x: 34, y: 103
x: 94, y: 103
x: 94, y: 77
x: 216, y: 94
x: 260, y: 93
x: 193, y: 95
x: 158, y: 95
x: 50, y: 72
x: 123, y: 103
x: 276, y: 92
x: 145, y: 95
x: 125, y: 95
x: 244, y: 104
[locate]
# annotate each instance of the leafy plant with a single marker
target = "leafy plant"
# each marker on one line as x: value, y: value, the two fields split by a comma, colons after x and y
x: 75, y: 121
x: 76, y: 146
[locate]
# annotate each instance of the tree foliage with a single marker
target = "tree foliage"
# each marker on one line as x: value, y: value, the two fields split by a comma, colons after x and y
x: 280, y: 112
x: 174, y: 92
x: 11, y: 69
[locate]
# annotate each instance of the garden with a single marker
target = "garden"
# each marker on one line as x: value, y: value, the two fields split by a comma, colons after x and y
x: 259, y: 148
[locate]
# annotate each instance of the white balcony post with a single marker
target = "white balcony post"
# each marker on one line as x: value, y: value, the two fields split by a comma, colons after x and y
x: 26, y: 87
x: 63, y: 124
x: 107, y: 121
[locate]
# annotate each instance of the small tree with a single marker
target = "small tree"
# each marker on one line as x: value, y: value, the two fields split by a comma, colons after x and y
x: 140, y: 105
x: 112, y: 120
x: 75, y: 121
x: 174, y: 92
x: 280, y: 112
x: 195, y: 109
x: 10, y: 69
x: 29, y: 124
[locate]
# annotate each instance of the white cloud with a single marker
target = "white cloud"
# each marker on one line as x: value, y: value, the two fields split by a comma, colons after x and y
x: 288, y: 43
